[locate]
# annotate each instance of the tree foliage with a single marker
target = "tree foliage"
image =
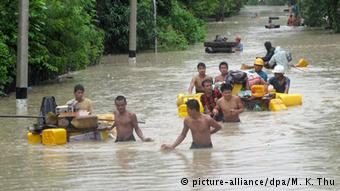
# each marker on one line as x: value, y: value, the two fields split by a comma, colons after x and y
x: 321, y: 13
x: 62, y: 36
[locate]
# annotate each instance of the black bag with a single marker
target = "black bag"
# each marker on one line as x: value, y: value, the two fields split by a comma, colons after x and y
x: 236, y: 77
x: 48, y: 104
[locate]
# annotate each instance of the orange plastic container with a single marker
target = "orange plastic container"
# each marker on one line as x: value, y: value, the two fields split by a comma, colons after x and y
x: 258, y: 90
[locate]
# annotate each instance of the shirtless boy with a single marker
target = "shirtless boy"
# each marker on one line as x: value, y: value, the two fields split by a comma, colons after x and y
x: 230, y: 105
x: 199, y: 125
x: 197, y: 80
x: 224, y: 72
x: 125, y: 122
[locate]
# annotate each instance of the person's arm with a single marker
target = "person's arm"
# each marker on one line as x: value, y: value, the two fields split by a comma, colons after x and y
x: 179, y: 139
x: 90, y: 107
x: 215, y: 126
x: 287, y: 85
x: 269, y: 55
x: 192, y: 85
x: 272, y: 60
x: 137, y: 129
x: 240, y: 108
x: 205, y: 107
x: 217, y: 107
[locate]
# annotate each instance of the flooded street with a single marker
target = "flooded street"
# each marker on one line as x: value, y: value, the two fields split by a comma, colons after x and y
x: 301, y: 142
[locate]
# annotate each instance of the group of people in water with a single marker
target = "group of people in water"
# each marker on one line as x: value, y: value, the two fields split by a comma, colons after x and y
x: 219, y: 103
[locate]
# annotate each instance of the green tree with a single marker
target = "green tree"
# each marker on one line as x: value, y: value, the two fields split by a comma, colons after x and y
x: 321, y: 13
x: 62, y: 35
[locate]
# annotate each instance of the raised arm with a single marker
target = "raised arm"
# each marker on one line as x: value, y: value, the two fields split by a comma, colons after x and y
x: 192, y: 85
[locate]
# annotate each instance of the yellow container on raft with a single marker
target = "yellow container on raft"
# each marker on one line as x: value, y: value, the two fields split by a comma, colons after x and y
x: 33, y: 138
x: 182, y: 109
x: 258, y: 90
x: 302, y: 63
x: 103, y: 135
x: 236, y: 88
x: 290, y: 99
x: 56, y: 136
x: 276, y: 105
x: 183, y: 98
x: 106, y: 119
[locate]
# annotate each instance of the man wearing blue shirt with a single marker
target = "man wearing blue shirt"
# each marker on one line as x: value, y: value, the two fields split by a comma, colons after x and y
x: 239, y: 45
x: 280, y: 82
x: 258, y: 65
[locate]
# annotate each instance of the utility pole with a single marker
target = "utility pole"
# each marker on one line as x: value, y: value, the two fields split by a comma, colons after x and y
x: 155, y: 22
x: 133, y: 31
x: 22, y: 57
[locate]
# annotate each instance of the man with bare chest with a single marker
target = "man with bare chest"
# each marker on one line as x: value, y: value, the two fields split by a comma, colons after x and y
x: 197, y: 80
x: 126, y: 122
x: 223, y: 67
x: 200, y: 128
x: 231, y: 106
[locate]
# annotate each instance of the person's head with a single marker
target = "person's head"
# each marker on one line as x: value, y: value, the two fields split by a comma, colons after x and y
x: 192, y: 106
x: 279, y: 71
x: 201, y: 68
x: 268, y: 45
x: 79, y: 92
x: 238, y: 39
x: 226, y: 90
x: 120, y: 103
x: 258, y: 64
x: 223, y: 68
x: 207, y: 85
x: 290, y: 15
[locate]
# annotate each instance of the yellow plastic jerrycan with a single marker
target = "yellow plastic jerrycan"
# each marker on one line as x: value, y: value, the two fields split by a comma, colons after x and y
x: 258, y: 90
x: 33, y: 138
x: 236, y: 88
x: 276, y: 105
x: 290, y: 99
x: 55, y: 136
x: 179, y: 99
x: 182, y: 109
x: 182, y: 98
x: 302, y: 63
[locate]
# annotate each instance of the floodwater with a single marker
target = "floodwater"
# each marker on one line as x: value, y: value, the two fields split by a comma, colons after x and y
x: 301, y: 142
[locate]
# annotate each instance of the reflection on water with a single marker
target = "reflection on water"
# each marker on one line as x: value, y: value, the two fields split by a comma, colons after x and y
x: 299, y: 142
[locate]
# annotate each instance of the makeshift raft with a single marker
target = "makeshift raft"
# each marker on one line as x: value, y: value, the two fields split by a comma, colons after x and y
x: 219, y: 46
x: 72, y: 127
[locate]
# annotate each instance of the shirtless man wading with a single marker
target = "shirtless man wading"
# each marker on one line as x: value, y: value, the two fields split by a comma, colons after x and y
x: 125, y: 122
x: 199, y: 125
x: 230, y: 105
